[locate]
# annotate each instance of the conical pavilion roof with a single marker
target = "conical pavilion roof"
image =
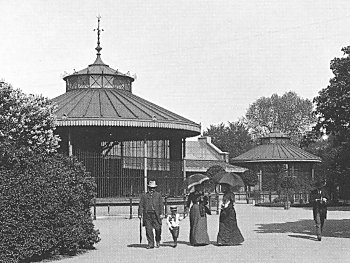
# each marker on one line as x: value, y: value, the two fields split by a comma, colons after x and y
x: 276, y: 147
x: 116, y: 107
x: 101, y: 96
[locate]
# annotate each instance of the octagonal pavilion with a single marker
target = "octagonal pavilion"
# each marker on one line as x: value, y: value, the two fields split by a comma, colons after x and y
x: 274, y: 155
x: 123, y: 140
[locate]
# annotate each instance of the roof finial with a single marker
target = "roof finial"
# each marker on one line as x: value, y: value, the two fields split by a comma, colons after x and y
x: 98, y: 48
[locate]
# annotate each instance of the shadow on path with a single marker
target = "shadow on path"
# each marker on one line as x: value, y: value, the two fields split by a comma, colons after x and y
x: 179, y: 242
x: 313, y: 238
x: 330, y: 208
x: 138, y: 245
x: 332, y: 228
x: 162, y: 244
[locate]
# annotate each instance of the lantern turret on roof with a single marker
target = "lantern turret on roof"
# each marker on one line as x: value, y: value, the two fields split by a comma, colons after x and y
x: 98, y: 74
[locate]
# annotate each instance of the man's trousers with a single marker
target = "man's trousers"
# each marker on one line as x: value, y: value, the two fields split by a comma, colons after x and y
x: 151, y: 222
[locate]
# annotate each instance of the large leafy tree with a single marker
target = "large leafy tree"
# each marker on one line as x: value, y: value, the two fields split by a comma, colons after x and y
x: 233, y: 137
x: 26, y: 121
x: 333, y: 112
x: 288, y: 113
x: 332, y: 103
x: 334, y: 158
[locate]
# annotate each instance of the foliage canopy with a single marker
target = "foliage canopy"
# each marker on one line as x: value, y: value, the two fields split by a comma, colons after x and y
x: 332, y: 103
x: 233, y: 138
x: 288, y: 113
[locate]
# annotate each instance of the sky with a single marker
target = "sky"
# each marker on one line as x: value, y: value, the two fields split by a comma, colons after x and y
x: 204, y: 60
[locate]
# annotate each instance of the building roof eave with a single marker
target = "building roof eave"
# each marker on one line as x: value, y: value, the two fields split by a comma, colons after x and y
x: 278, y: 160
x: 127, y: 123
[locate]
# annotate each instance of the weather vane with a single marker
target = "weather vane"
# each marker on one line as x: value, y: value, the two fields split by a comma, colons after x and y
x: 98, y: 48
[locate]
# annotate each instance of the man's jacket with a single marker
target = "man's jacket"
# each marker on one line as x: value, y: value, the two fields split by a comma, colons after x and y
x: 151, y: 202
x: 319, y: 199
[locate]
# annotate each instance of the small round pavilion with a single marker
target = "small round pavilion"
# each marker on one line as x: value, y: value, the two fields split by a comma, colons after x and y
x: 122, y: 139
x: 274, y: 155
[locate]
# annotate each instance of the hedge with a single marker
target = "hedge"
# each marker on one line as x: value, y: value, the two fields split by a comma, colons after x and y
x: 45, y: 206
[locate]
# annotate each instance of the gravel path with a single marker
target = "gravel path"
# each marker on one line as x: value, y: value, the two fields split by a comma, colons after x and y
x: 271, y: 235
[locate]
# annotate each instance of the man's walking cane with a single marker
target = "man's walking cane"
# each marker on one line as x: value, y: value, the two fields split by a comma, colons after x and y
x: 140, y: 230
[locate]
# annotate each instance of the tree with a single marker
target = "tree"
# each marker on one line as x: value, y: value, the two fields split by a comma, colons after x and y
x: 332, y: 103
x: 334, y: 162
x: 333, y: 112
x: 233, y: 138
x: 250, y: 178
x: 288, y: 113
x: 26, y: 121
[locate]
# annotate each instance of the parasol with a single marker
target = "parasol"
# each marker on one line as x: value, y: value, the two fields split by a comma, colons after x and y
x: 195, y: 179
x: 228, y: 178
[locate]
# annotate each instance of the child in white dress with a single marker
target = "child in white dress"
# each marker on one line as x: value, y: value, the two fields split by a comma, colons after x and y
x: 173, y: 221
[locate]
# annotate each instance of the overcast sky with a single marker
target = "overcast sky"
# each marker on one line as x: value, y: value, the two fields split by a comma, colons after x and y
x: 204, y: 60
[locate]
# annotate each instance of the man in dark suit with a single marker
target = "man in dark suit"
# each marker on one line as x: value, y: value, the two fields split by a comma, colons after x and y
x: 319, y: 199
x: 151, y: 210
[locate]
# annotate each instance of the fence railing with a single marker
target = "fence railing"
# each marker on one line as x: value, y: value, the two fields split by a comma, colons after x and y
x: 128, y: 207
x: 272, y: 197
x: 121, y: 176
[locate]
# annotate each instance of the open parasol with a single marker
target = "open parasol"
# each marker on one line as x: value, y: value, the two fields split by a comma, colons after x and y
x: 195, y: 179
x: 228, y: 178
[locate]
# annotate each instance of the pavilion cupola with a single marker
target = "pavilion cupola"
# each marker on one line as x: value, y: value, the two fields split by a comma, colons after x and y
x: 275, y: 137
x: 99, y: 75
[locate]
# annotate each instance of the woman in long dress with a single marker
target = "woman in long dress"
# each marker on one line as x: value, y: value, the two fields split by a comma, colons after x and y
x: 229, y: 233
x: 198, y: 218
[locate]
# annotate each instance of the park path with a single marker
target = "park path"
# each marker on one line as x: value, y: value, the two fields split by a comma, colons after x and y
x: 271, y: 235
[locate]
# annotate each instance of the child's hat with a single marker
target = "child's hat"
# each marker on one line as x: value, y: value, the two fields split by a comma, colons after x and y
x: 173, y: 208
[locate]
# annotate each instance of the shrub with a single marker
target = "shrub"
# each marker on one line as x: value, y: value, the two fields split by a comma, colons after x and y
x: 45, y: 205
x: 27, y: 120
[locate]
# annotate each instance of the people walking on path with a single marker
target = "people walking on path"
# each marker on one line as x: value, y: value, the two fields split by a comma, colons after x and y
x: 151, y: 211
x: 319, y: 198
x: 198, y: 216
x: 229, y: 233
x: 173, y: 221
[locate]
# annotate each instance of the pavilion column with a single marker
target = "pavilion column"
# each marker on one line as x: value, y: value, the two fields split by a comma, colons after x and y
x: 145, y: 153
x: 312, y: 172
x: 260, y: 179
x: 70, y: 146
x: 184, y: 160
x: 176, y: 155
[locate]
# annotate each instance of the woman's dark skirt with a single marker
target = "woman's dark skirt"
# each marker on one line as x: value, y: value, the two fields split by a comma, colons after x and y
x: 229, y: 233
x: 198, y: 227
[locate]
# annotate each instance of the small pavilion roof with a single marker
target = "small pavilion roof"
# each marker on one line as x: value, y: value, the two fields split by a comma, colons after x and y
x: 276, y: 147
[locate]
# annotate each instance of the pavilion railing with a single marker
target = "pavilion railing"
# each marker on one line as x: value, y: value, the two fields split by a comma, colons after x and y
x: 118, y: 176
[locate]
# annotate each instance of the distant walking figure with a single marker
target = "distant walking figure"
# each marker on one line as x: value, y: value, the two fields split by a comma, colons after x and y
x: 151, y: 211
x: 229, y: 233
x: 319, y: 199
x: 198, y: 218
